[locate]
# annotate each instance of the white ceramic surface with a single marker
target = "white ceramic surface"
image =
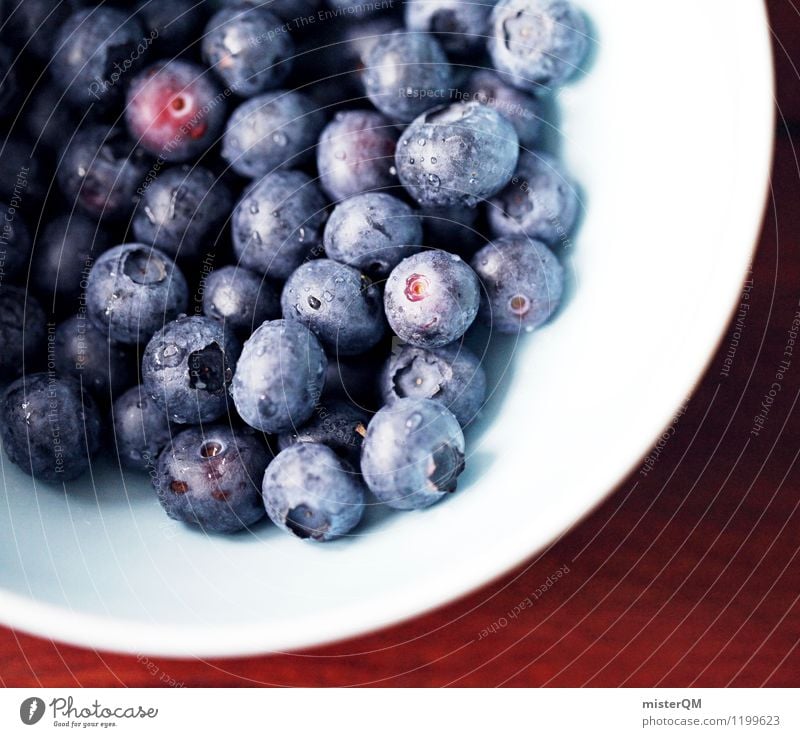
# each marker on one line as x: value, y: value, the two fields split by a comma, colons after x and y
x: 670, y: 137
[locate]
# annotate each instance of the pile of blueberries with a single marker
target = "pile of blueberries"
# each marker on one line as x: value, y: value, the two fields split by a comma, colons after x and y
x: 242, y: 244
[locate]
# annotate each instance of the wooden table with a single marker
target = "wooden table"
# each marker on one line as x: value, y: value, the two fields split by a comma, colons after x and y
x: 690, y: 578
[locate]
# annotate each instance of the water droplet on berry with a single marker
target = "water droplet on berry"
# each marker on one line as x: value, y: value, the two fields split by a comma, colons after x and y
x: 301, y: 235
x: 254, y: 207
x: 314, y: 303
x: 393, y: 171
x: 414, y: 421
x: 327, y: 296
x: 421, y: 141
x: 433, y: 159
x: 434, y: 181
x: 279, y: 138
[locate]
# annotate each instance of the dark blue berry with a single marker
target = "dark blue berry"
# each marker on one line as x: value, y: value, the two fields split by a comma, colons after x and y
x: 83, y: 352
x: 277, y: 222
x: 63, y: 255
x: 431, y: 299
x: 35, y: 24
x: 15, y: 242
x: 405, y: 74
x: 249, y: 48
x: 50, y: 428
x: 100, y: 171
x: 279, y: 376
x: 48, y: 120
x: 171, y: 26
x: 460, y: 27
x: 372, y: 232
x: 94, y: 50
x: 272, y: 131
x: 540, y: 201
x: 240, y: 299
x: 8, y: 82
x: 524, y: 111
x: 311, y: 493
x: 454, y: 228
x: 538, y: 43
x: 336, y: 423
x: 175, y: 110
x: 210, y: 477
x: 141, y: 429
x: 132, y: 291
x: 187, y: 368
x: 457, y: 155
x: 337, y: 303
x: 182, y: 211
x: 452, y: 375
x: 413, y: 453
x: 22, y: 332
x: 522, y: 283
x: 356, y: 154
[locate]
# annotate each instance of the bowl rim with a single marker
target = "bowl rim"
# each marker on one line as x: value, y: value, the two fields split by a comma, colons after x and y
x: 131, y: 637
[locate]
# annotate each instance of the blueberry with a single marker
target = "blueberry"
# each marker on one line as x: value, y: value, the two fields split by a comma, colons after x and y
x: 453, y: 227
x: 540, y: 201
x: 8, y: 82
x: 240, y: 299
x: 83, y: 352
x: 279, y: 376
x: 372, y: 232
x: 522, y: 282
x: 457, y: 155
x: 538, y: 43
x: 22, y: 332
x: 460, y: 26
x: 413, y: 453
x: 209, y: 477
x: 405, y: 74
x: 50, y: 428
x: 100, y: 171
x: 132, y: 290
x: 337, y: 303
x: 356, y: 154
x: 35, y: 23
x: 525, y: 112
x: 277, y: 222
x: 353, y: 379
x: 360, y: 36
x: 274, y: 130
x: 287, y: 10
x: 15, y: 241
x: 355, y: 8
x: 95, y: 48
x: 335, y: 423
x: 431, y: 299
x: 46, y: 117
x: 187, y: 369
x: 63, y: 255
x: 175, y: 110
x: 141, y: 429
x: 313, y: 494
x: 171, y: 26
x: 21, y: 172
x: 452, y: 375
x: 182, y: 211
x: 249, y: 48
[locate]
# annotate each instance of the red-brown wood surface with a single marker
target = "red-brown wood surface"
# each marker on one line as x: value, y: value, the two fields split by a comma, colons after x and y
x: 690, y: 577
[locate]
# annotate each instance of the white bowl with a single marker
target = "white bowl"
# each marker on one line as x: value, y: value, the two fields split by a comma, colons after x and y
x: 670, y: 137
